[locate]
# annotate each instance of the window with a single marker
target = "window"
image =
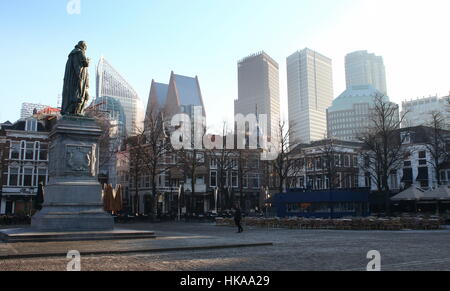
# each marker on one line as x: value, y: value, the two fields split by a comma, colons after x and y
x: 422, y: 158
x: 245, y: 181
x: 407, y: 164
x: 31, y: 125
x: 29, y: 151
x: 301, y: 182
x: 213, y: 179
x: 42, y: 176
x: 346, y: 161
x: 406, y: 137
x: 200, y: 180
x: 309, y: 164
x: 200, y: 157
x: 355, y: 161
x: 368, y: 180
x: 355, y: 181
x: 43, y: 152
x: 318, y: 164
x: 13, y: 177
x: 234, y: 179
x: 28, y: 177
x: 14, y: 150
x: 337, y: 160
x: 254, y: 181
x: 319, y: 182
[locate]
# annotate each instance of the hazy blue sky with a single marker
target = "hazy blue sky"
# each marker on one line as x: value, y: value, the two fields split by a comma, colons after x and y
x: 146, y: 39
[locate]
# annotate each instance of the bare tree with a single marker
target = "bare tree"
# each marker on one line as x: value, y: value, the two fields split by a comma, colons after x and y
x: 225, y: 161
x: 436, y: 144
x: 134, y: 153
x: 331, y: 162
x: 157, y: 152
x: 383, y: 144
x: 247, y: 162
x: 285, y: 165
x: 110, y: 141
x: 192, y: 164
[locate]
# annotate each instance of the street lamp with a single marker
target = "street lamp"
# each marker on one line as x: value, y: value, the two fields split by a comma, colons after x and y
x: 179, y: 197
x: 216, y: 192
x: 267, y: 197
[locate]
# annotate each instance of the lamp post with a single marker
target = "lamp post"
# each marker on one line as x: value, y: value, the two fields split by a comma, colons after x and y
x: 179, y: 197
x: 215, y: 198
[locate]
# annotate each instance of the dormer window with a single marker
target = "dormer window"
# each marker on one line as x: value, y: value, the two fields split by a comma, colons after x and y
x: 406, y: 137
x: 31, y: 125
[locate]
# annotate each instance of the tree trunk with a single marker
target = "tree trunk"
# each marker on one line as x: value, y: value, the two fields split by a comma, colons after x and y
x: 154, y: 204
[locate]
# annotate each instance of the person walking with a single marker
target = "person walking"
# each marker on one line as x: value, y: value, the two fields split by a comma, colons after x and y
x: 238, y: 218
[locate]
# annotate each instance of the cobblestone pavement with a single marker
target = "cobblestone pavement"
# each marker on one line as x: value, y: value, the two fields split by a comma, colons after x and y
x: 292, y: 250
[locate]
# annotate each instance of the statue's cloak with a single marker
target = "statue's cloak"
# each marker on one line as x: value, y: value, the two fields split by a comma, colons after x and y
x: 76, y: 83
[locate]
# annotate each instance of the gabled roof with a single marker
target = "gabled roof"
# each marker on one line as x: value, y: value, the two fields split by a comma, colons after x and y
x: 188, y: 90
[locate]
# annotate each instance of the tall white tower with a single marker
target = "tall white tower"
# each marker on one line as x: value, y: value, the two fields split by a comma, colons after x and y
x: 363, y: 68
x: 310, y: 93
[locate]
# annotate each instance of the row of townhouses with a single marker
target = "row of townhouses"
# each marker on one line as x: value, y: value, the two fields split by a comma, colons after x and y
x: 24, y: 160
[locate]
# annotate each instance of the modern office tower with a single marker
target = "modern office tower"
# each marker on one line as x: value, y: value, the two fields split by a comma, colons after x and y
x: 259, y: 90
x: 418, y: 112
x: 363, y: 68
x: 28, y: 109
x: 115, y: 95
x: 310, y: 93
x: 350, y: 114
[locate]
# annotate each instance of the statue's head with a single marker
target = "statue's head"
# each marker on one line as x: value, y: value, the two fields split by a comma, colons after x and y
x: 81, y: 45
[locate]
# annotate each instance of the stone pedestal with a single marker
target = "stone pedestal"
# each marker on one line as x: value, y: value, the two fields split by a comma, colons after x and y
x: 73, y: 196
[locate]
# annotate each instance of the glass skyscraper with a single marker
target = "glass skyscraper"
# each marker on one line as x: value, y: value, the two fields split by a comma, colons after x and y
x: 116, y: 96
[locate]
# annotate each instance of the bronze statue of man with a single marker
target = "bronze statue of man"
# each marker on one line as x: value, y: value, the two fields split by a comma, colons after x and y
x: 76, y: 82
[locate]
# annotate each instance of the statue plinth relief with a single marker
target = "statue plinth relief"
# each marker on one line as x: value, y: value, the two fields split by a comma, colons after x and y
x: 81, y: 159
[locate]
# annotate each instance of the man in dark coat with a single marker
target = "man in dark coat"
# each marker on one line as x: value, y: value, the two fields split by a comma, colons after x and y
x: 76, y: 82
x: 238, y: 218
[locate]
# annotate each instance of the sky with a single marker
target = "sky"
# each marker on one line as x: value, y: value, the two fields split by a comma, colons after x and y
x: 147, y: 39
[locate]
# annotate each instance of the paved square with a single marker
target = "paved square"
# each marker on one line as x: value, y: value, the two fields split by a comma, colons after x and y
x: 292, y: 250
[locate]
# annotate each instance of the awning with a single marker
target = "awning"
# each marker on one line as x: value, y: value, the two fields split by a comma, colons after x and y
x: 176, y: 174
x: 410, y: 194
x: 440, y: 193
x: 202, y: 170
x: 423, y: 174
